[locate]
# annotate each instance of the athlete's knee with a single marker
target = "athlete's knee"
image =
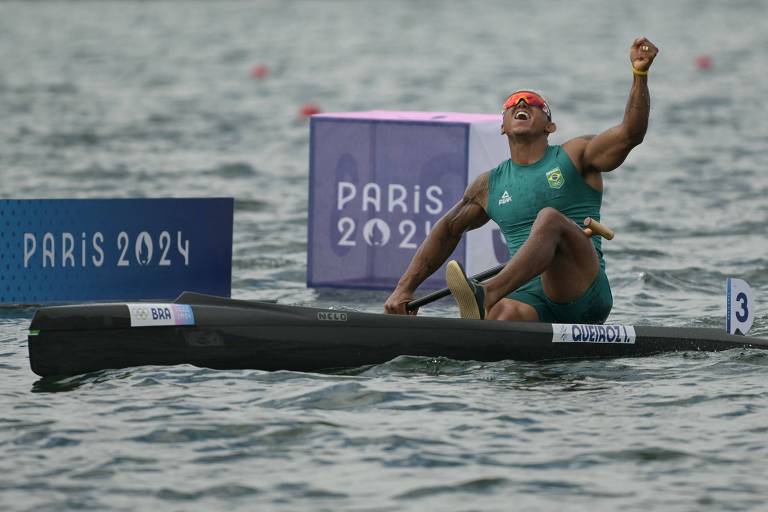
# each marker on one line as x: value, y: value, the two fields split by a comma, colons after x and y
x: 549, y: 218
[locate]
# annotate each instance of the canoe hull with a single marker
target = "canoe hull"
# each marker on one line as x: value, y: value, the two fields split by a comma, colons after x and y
x: 231, y: 334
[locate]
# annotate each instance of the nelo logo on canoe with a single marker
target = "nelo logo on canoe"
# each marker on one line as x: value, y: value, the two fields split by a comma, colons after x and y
x: 332, y: 316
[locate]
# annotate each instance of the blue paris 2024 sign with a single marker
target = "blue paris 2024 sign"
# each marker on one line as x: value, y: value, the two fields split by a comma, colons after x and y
x: 63, y: 250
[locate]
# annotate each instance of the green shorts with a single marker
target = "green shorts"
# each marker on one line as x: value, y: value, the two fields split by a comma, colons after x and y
x: 591, y: 308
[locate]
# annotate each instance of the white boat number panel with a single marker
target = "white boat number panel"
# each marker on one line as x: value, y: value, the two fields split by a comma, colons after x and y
x: 588, y: 333
x: 145, y: 314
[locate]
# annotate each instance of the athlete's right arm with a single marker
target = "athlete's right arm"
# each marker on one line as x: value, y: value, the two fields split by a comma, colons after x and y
x: 467, y: 214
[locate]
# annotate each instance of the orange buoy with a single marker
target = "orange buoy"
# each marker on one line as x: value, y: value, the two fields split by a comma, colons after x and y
x: 704, y: 63
x: 309, y: 109
x: 260, y: 71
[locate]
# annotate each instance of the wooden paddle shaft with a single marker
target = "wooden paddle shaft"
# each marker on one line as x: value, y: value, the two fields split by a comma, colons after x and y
x: 598, y: 229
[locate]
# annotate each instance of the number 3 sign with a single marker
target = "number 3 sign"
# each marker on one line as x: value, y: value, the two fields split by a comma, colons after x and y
x: 741, y: 306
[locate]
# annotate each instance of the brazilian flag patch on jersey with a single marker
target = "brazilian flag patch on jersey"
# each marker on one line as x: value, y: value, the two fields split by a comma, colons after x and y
x: 555, y: 178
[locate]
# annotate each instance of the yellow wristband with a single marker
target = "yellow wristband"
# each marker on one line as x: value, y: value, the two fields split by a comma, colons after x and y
x: 638, y: 72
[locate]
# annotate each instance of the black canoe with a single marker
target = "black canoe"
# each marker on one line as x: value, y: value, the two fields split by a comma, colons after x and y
x: 222, y: 333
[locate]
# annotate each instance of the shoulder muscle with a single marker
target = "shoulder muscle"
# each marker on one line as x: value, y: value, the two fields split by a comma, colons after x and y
x: 477, y: 191
x: 575, y: 149
x: 469, y: 212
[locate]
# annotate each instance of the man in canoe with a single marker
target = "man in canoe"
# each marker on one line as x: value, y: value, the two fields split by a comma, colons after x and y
x: 539, y: 198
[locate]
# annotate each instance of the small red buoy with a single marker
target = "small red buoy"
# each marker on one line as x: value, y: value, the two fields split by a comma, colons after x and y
x: 309, y: 109
x: 260, y: 71
x: 704, y: 63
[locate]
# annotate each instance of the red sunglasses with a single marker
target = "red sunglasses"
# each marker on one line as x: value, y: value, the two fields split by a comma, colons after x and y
x: 531, y: 98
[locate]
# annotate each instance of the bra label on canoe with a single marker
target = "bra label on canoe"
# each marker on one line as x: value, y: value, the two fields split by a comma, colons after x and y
x: 145, y: 314
x: 588, y: 333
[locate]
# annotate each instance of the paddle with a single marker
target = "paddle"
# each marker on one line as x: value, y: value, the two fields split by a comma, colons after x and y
x: 444, y: 292
x: 592, y: 224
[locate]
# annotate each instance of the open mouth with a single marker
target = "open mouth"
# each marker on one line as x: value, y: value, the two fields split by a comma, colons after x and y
x: 522, y: 115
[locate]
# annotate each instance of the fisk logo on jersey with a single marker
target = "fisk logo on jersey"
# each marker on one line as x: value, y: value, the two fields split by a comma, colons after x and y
x: 555, y: 178
x: 505, y: 198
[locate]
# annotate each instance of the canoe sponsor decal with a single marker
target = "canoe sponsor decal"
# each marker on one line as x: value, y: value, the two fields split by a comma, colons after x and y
x: 588, y: 333
x: 147, y: 314
x: 332, y: 316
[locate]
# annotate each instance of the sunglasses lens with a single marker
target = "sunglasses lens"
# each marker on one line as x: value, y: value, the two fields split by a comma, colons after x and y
x: 530, y: 98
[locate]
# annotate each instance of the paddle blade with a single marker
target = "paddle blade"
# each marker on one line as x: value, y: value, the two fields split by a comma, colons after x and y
x: 741, y: 306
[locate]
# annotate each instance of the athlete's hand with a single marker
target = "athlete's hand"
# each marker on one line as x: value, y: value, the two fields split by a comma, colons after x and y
x: 396, y: 302
x: 642, y: 53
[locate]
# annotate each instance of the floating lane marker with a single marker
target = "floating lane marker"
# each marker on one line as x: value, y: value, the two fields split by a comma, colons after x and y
x: 145, y: 314
x: 589, y: 333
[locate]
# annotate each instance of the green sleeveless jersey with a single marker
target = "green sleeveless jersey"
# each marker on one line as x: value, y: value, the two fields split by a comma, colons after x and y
x: 516, y: 194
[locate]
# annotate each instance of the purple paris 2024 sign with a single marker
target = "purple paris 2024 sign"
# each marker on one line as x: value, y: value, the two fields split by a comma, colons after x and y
x: 379, y: 181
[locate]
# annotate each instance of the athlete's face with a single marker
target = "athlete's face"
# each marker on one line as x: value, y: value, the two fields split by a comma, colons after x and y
x: 524, y: 119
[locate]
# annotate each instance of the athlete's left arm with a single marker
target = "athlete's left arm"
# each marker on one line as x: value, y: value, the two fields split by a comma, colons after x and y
x: 608, y: 150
